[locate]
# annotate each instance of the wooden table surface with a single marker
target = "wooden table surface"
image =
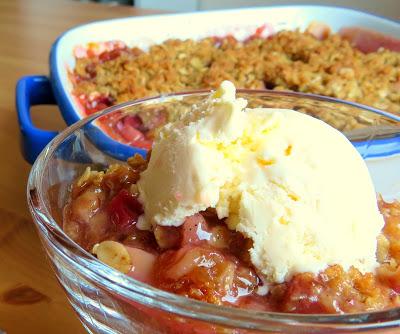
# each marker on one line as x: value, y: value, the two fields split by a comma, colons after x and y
x: 31, y: 301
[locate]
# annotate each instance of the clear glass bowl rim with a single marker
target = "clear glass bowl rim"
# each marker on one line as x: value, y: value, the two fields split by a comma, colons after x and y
x: 119, y: 283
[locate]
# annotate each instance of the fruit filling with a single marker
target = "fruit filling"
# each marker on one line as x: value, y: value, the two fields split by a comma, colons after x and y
x: 204, y: 260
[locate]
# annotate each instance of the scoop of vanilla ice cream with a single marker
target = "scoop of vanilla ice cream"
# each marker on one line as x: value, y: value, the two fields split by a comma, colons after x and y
x: 291, y: 183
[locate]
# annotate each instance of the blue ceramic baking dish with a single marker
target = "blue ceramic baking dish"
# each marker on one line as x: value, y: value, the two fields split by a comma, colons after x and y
x: 36, y: 90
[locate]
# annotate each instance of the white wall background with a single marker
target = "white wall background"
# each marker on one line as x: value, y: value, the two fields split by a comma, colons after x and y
x: 390, y: 8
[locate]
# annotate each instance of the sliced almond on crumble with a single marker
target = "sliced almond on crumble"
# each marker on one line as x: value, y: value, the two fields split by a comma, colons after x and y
x: 113, y: 254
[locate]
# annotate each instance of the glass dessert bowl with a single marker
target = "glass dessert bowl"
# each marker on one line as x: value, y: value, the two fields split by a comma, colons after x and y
x: 109, y: 301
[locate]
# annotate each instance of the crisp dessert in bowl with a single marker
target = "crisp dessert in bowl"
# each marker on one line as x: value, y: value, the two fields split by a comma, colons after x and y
x: 246, y: 216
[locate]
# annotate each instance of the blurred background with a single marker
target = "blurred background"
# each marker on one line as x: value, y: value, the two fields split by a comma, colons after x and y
x: 390, y: 8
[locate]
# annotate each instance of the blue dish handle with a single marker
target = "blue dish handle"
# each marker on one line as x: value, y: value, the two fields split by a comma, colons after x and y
x: 30, y: 91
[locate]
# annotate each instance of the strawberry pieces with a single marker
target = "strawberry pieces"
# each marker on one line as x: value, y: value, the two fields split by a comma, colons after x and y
x: 124, y: 210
